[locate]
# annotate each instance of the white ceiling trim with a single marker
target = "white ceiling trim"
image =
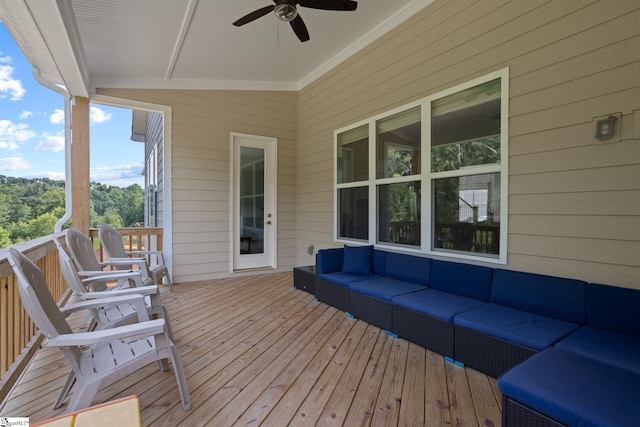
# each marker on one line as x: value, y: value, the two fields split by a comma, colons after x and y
x: 184, y: 29
x: 188, y: 84
x: 56, y: 24
x: 384, y: 27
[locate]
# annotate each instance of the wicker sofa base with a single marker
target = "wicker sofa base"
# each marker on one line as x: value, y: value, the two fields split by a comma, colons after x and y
x: 335, y: 295
x: 515, y: 414
x: 422, y: 329
x: 488, y: 354
x: 372, y: 310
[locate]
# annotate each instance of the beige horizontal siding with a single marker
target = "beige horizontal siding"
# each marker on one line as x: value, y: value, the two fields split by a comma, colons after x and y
x: 202, y: 123
x: 574, y: 206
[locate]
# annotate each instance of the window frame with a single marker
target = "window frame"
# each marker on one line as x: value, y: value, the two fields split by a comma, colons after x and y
x: 427, y: 178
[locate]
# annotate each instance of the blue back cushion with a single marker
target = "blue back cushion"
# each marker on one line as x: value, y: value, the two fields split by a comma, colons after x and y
x: 357, y: 259
x: 471, y: 281
x: 379, y: 262
x: 550, y: 296
x: 614, y: 309
x: 410, y: 268
x: 329, y: 260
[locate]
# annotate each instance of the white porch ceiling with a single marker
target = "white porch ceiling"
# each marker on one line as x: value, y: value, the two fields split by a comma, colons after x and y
x: 190, y: 44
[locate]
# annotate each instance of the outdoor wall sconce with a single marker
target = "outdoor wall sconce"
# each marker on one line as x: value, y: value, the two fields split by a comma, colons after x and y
x: 605, y: 127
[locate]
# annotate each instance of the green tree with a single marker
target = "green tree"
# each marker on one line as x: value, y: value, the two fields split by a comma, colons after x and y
x: 112, y: 217
x: 132, y: 205
x: 5, y: 238
x: 50, y: 200
x: 42, y: 225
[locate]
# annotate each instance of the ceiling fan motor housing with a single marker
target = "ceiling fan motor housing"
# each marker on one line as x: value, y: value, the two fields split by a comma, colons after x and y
x: 286, y: 10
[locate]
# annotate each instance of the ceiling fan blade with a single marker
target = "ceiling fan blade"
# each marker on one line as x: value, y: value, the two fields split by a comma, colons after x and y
x: 254, y: 15
x: 329, y: 4
x: 300, y: 28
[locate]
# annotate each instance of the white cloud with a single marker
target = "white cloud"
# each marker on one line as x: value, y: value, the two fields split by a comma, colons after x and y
x: 57, y: 117
x: 51, y: 142
x: 58, y: 176
x: 98, y: 115
x: 123, y: 175
x: 10, y: 85
x: 13, y: 133
x: 9, y: 146
x: 13, y: 164
x: 25, y: 114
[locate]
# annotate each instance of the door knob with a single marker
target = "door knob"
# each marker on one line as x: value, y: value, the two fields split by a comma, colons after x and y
x: 268, y: 222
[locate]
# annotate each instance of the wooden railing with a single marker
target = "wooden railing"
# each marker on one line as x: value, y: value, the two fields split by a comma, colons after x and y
x: 19, y: 338
x: 468, y: 237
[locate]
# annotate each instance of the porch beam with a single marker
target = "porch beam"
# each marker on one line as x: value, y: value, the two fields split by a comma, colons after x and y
x: 80, y: 180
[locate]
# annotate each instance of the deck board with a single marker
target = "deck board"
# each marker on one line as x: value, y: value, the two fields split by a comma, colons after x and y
x: 256, y: 351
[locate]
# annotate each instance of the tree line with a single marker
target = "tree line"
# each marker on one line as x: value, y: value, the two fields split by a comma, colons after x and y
x: 30, y: 208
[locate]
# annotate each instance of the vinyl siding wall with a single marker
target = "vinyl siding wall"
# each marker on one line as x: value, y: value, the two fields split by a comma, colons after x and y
x: 202, y: 123
x: 574, y: 205
x: 154, y: 138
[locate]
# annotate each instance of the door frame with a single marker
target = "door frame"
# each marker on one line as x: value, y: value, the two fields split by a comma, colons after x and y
x: 269, y: 258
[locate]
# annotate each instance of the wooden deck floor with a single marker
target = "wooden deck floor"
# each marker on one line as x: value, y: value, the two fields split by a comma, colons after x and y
x: 257, y: 351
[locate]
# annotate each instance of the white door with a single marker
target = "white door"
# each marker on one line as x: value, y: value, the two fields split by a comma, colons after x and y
x: 253, y: 198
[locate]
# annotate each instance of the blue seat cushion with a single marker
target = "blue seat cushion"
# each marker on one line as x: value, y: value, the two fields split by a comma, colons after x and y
x: 357, y: 260
x: 409, y: 268
x: 441, y: 305
x: 606, y: 346
x: 384, y: 288
x: 575, y: 390
x: 550, y: 296
x: 343, y: 279
x: 614, y: 309
x: 516, y: 326
x: 467, y: 280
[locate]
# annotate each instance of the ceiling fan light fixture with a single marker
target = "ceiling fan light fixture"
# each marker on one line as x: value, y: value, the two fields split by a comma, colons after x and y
x: 286, y: 12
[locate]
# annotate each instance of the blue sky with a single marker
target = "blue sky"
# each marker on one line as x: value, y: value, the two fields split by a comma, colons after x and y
x: 32, y: 128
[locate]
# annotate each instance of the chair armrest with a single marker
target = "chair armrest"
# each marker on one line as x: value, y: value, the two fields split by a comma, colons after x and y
x: 113, y: 275
x: 125, y: 261
x: 100, y: 273
x: 136, y: 300
x: 159, y: 254
x: 151, y: 327
x: 144, y: 290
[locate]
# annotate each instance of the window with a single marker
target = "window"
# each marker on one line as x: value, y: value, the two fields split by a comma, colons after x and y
x: 385, y: 196
x: 352, y: 158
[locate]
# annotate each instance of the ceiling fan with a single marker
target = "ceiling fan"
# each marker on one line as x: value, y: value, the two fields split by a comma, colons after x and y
x: 286, y: 11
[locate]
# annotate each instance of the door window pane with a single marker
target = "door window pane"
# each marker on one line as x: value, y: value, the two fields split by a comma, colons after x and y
x: 398, y: 144
x: 399, y: 213
x: 251, y: 200
x: 467, y: 213
x: 353, y: 213
x: 465, y: 128
x: 353, y: 155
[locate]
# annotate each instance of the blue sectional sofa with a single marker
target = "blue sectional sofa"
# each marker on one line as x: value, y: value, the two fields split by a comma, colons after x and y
x: 566, y: 352
x: 527, y: 313
x: 426, y: 317
x: 589, y: 378
x: 363, y: 281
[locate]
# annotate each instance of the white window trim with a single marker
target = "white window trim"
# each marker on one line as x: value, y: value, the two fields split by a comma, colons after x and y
x: 426, y: 177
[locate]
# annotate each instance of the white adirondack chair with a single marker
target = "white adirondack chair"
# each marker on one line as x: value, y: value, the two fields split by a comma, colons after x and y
x: 112, y: 242
x: 81, y: 250
x: 110, y: 316
x: 102, y: 357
